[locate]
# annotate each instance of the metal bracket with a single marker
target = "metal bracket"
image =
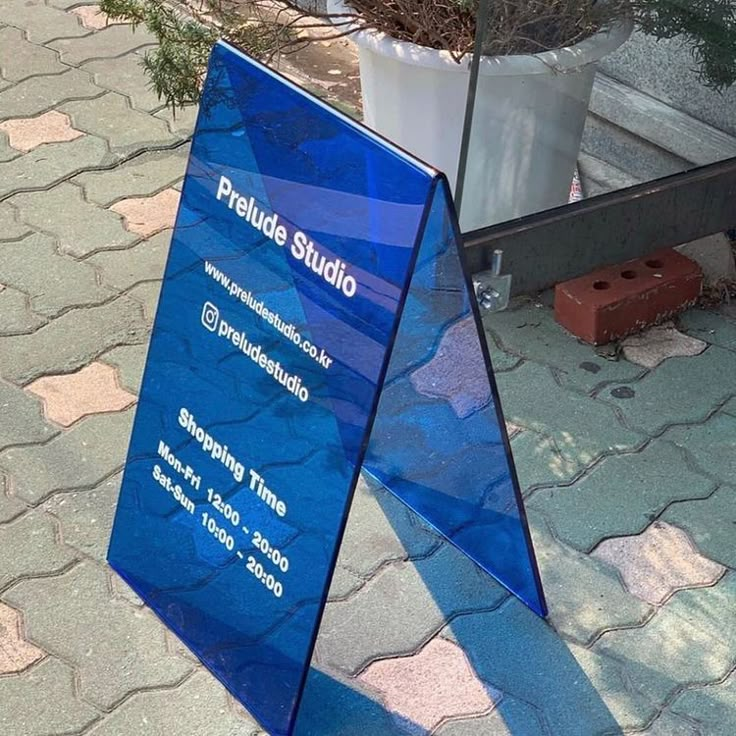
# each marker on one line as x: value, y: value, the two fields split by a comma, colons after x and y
x: 492, y: 288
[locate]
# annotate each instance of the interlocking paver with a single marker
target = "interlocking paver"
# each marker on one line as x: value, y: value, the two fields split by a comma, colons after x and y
x: 180, y: 123
x: 126, y: 130
x: 29, y: 547
x: 713, y: 708
x: 16, y: 654
x: 80, y: 228
x: 122, y: 269
x: 115, y: 649
x: 38, y: 94
x: 666, y: 396
x: 114, y: 40
x: 40, y: 22
x: 58, y: 710
x: 423, y: 596
x: 85, y: 517
x: 130, y: 361
x: 380, y: 529
x: 27, y: 425
x: 582, y: 428
x: 33, y: 266
x: 10, y: 506
x: 81, y: 457
x: 25, y: 134
x: 49, y: 164
x: 620, y: 496
x: 94, y: 389
x: 15, y: 313
x: 670, y: 725
x: 594, y: 602
x: 147, y: 216
x: 655, y: 345
x: 126, y: 75
x: 709, y: 326
x: 711, y: 523
x: 510, y: 717
x: 72, y: 340
x: 196, y: 708
x: 712, y: 444
x: 20, y: 59
x: 539, y: 462
x: 690, y: 641
x: 146, y: 294
x: 658, y: 562
x: 344, y: 583
x: 432, y: 685
x: 11, y: 228
x: 529, y: 330
x: 140, y: 177
x: 93, y: 18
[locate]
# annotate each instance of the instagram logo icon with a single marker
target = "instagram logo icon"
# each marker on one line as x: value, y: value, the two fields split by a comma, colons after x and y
x: 210, y: 316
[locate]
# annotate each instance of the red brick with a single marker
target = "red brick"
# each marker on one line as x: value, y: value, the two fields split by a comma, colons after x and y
x: 617, y: 300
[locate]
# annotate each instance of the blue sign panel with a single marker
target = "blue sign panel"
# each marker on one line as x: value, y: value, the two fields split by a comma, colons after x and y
x: 292, y: 258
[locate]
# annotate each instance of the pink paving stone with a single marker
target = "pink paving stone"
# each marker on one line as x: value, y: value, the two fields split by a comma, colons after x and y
x: 147, y: 216
x: 92, y: 390
x: 431, y: 686
x: 25, y: 134
x: 16, y: 654
x: 658, y: 562
x: 93, y: 18
x: 457, y: 372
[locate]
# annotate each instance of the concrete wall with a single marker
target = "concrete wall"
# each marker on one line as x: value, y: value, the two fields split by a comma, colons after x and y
x: 664, y: 70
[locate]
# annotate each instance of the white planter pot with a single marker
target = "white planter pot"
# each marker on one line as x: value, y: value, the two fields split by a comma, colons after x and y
x: 528, y: 122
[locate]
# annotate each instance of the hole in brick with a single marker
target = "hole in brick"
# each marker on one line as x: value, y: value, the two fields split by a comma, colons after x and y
x: 654, y: 263
x: 601, y: 285
x: 628, y: 274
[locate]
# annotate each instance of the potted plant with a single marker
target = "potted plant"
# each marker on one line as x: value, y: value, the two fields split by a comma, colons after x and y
x: 535, y: 77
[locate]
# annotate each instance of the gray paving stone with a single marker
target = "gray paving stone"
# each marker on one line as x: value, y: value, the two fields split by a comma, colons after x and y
x: 582, y: 428
x: 539, y: 462
x: 380, y: 529
x: 7, y: 152
x: 690, y: 641
x: 711, y: 523
x: 39, y: 94
x: 143, y: 176
x: 85, y: 517
x: 29, y: 547
x: 709, y: 326
x: 10, y: 506
x: 574, y: 691
x: 33, y: 266
x: 15, y: 313
x: 48, y: 164
x: 180, y: 121
x: 667, y: 395
x: 510, y: 717
x: 80, y: 228
x: 27, y: 424
x: 344, y: 583
x: 401, y: 607
x: 115, y: 649
x: 528, y: 330
x: 78, y: 458
x: 40, y: 22
x: 11, y: 228
x: 43, y: 701
x: 111, y: 117
x: 670, y: 725
x: 199, y: 706
x: 72, y: 340
x: 66, y: 4
x: 122, y: 269
x: 130, y: 360
x: 595, y: 602
x: 500, y: 359
x: 620, y: 496
x: 713, y: 708
x: 712, y: 444
x: 126, y: 75
x: 115, y: 40
x: 20, y: 59
x: 147, y: 294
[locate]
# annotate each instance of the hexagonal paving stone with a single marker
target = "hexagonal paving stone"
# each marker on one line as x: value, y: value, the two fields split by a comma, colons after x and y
x: 658, y: 562
x: 16, y: 654
x: 20, y: 59
x: 114, y: 40
x: 94, y: 389
x: 16, y: 316
x: 433, y: 685
x: 40, y: 22
x: 58, y: 710
x: 620, y: 495
x: 115, y: 649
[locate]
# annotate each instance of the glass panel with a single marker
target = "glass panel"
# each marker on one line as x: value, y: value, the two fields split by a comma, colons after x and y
x: 625, y: 96
x: 439, y: 441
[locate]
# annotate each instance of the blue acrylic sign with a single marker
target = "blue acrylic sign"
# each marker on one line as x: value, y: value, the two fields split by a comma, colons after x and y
x: 314, y: 316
